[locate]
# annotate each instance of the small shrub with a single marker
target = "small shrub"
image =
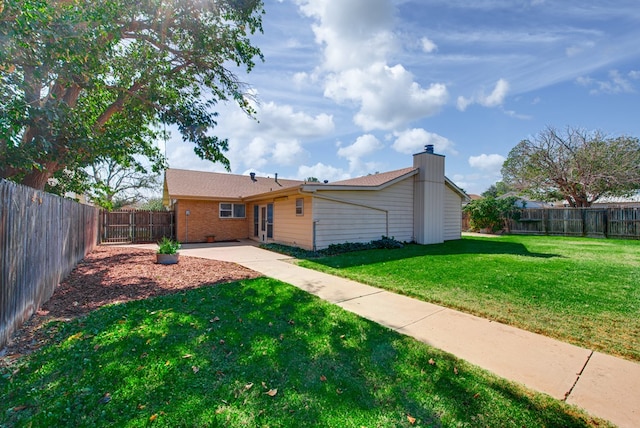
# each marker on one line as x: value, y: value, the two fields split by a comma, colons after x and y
x: 388, y: 243
x: 334, y: 249
x: 491, y: 213
x: 168, y: 246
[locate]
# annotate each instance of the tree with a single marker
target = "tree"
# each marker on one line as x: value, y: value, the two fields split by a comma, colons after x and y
x: 495, y: 190
x: 153, y: 204
x: 574, y: 165
x: 491, y: 213
x: 89, y: 80
x: 312, y: 180
x: 114, y: 186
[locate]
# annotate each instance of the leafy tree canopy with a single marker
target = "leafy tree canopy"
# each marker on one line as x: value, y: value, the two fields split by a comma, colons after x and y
x: 574, y: 165
x: 498, y: 189
x: 88, y: 81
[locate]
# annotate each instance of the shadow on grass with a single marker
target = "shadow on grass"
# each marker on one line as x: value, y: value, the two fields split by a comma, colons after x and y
x: 255, y: 353
x: 476, y: 246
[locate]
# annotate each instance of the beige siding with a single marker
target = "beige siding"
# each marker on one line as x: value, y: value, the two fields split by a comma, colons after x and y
x: 365, y: 215
x: 452, y: 214
x: 290, y: 228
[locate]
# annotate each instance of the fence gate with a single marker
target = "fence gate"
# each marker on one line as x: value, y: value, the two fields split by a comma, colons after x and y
x: 136, y: 226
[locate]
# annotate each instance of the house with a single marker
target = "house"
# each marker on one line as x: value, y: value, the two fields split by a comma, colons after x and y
x: 417, y: 203
x: 632, y: 201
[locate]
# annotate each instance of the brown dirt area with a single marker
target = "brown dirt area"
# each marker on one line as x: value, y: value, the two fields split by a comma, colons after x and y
x: 113, y: 275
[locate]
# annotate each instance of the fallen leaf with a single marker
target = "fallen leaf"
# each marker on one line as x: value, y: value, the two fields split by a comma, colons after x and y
x: 195, y: 369
x: 19, y: 408
x: 339, y: 391
x: 432, y: 361
x: 222, y: 341
x: 216, y: 319
x: 476, y: 395
x: 323, y: 378
x: 455, y: 370
x: 292, y: 322
x: 411, y: 419
x: 272, y: 392
x: 187, y: 356
x: 153, y: 417
x: 105, y: 398
x: 264, y: 385
x: 167, y: 363
x: 148, y: 341
x: 248, y: 386
x: 96, y: 347
x: 141, y: 406
x: 342, y: 336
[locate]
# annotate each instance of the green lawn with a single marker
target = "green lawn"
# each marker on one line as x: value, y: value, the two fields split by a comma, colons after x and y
x: 583, y: 291
x: 255, y: 353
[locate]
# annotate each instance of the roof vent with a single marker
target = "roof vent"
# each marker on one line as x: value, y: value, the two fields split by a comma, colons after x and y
x: 326, y: 181
x: 429, y: 148
x: 253, y: 176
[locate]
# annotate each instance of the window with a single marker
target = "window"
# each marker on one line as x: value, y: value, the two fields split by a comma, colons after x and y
x: 300, y: 206
x: 269, y: 220
x: 256, y: 211
x: 228, y: 210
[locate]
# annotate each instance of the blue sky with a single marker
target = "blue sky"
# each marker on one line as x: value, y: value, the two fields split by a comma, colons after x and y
x: 354, y: 87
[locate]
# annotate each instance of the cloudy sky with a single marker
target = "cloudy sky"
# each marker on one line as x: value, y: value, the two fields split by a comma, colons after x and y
x: 354, y: 87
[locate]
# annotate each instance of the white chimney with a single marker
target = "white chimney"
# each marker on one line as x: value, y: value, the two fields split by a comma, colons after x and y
x: 428, y: 200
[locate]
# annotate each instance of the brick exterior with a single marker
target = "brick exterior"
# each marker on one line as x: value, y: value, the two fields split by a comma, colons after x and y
x: 204, y: 220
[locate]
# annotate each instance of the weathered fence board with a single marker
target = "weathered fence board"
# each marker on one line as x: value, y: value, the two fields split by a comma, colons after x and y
x: 594, y: 222
x: 42, y: 238
x: 136, y: 226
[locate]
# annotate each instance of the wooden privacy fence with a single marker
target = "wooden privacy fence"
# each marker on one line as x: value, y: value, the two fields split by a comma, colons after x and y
x: 594, y: 222
x: 42, y: 238
x: 136, y: 226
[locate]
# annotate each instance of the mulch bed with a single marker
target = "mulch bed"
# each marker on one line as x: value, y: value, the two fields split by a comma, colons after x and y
x: 114, y: 275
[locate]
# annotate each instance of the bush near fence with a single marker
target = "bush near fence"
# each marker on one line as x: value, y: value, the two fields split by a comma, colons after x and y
x: 622, y: 223
x: 42, y: 238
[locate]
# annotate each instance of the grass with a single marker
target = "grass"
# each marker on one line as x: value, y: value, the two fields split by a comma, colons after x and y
x: 583, y: 291
x: 256, y: 353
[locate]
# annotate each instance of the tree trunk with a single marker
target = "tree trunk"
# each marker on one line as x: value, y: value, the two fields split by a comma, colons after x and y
x: 37, y: 179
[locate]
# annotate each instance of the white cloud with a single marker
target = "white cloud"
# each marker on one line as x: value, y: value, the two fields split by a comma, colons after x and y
x: 615, y: 84
x: 428, y: 45
x: 413, y: 141
x: 490, y: 163
x: 388, y: 96
x: 575, y: 50
x: 353, y: 33
x: 322, y: 172
x: 494, y: 99
x: 357, y: 39
x: 365, y: 145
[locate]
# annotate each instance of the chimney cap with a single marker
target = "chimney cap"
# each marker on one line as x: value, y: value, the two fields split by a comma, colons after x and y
x: 429, y: 148
x: 253, y: 176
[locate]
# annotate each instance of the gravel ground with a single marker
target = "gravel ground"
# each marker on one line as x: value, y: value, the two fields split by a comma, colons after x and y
x: 113, y: 274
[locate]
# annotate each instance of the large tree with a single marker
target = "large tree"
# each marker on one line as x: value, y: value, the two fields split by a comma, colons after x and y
x: 89, y: 80
x: 575, y: 165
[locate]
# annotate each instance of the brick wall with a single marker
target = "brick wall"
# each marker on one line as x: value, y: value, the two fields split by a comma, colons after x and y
x: 204, y: 220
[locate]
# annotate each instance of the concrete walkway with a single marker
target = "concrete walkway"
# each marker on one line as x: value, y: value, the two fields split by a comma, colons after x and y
x: 603, y: 385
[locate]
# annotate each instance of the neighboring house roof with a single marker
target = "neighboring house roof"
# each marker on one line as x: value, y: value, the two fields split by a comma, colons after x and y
x: 525, y: 202
x: 474, y: 197
x: 180, y: 183
x: 612, y: 200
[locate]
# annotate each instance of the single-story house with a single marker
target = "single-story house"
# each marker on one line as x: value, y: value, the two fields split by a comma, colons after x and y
x: 417, y: 203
